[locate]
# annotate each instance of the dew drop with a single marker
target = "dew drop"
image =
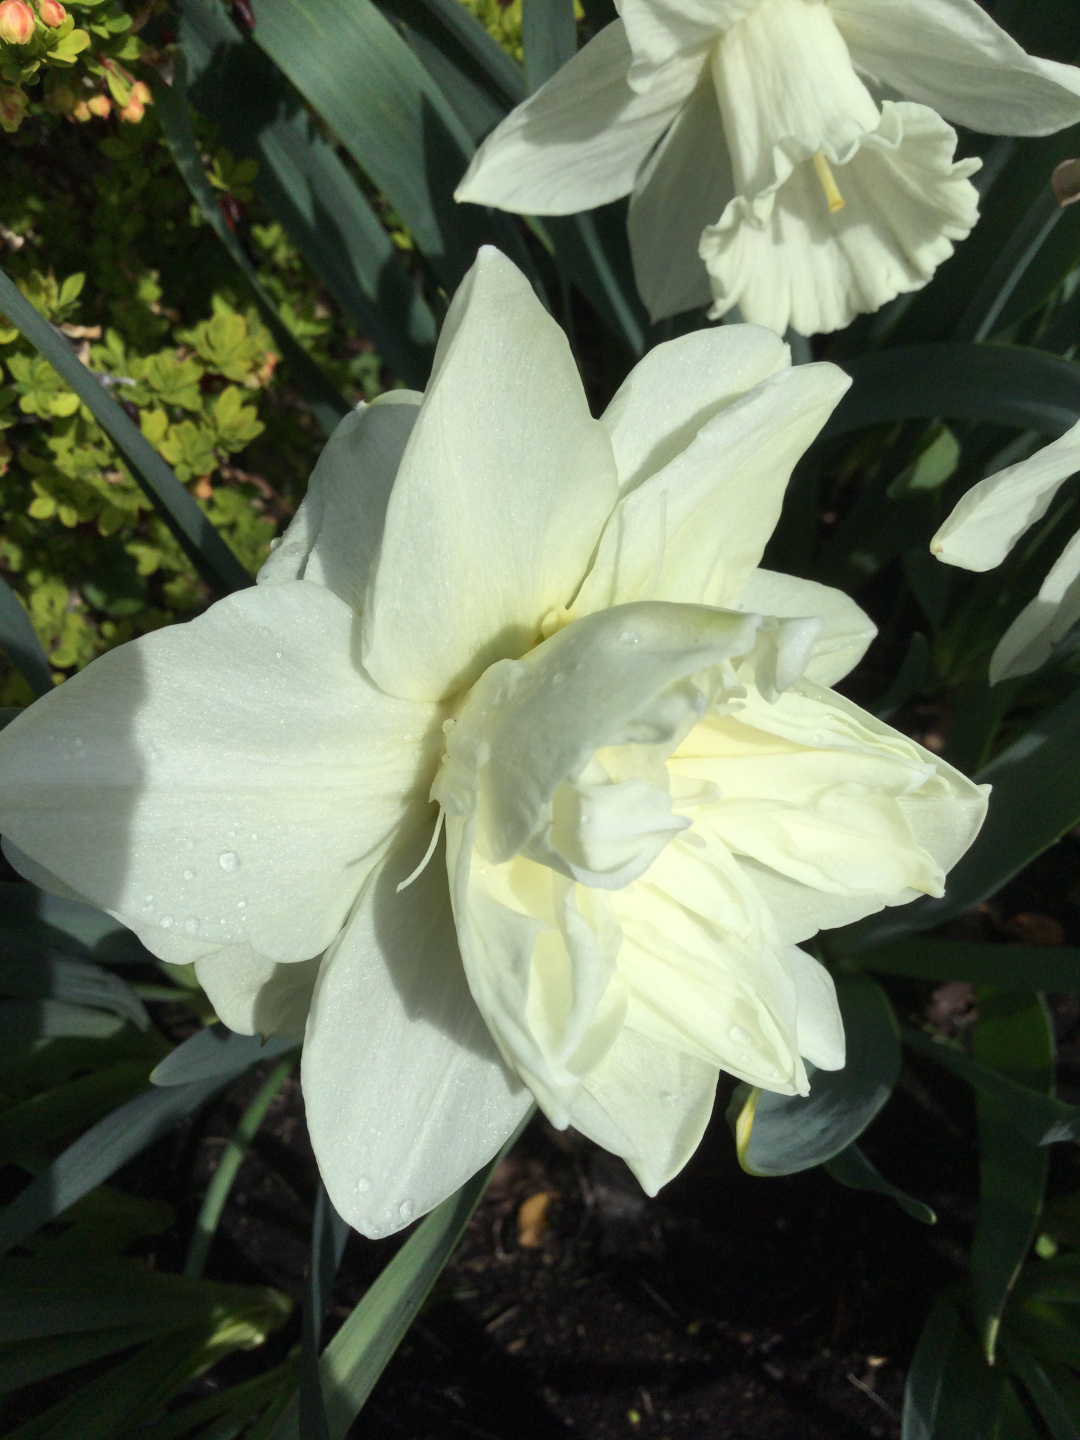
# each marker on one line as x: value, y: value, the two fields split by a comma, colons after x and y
x: 229, y: 860
x: 277, y: 654
x: 746, y: 1059
x: 149, y: 899
x: 363, y: 1185
x: 241, y: 904
x: 167, y: 922
x: 191, y: 925
x: 405, y: 1209
x: 739, y: 1035
x: 78, y: 742
x: 558, y: 678
x: 669, y: 1098
x: 189, y: 874
x: 629, y: 637
x: 147, y: 909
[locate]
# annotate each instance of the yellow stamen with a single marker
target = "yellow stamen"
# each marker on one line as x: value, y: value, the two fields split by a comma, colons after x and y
x: 828, y: 183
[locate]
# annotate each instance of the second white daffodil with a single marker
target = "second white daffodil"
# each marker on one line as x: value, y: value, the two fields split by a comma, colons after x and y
x: 546, y: 636
x: 768, y: 163
x: 985, y: 525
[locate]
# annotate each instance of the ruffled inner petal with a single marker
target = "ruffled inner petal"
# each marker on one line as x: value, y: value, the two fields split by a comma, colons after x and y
x: 785, y: 260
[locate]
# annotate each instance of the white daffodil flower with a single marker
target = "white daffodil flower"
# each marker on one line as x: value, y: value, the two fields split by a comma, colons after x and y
x: 984, y: 526
x: 555, y: 627
x: 769, y: 139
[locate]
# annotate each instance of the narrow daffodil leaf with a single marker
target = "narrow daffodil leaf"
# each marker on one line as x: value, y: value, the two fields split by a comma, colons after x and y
x: 327, y: 405
x: 20, y: 644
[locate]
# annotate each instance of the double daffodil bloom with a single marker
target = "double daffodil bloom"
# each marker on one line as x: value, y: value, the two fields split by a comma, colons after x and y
x: 776, y: 141
x: 985, y: 525
x: 555, y: 628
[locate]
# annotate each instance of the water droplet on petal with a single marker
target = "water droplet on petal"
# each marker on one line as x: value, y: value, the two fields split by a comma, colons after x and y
x: 191, y: 925
x: 229, y: 860
x: 629, y: 637
x: 405, y: 1209
x: 241, y: 904
x: 363, y: 1185
x: 277, y: 654
x: 167, y: 922
x: 558, y: 678
x: 739, y: 1035
x: 189, y: 874
x: 78, y: 742
x: 669, y: 1098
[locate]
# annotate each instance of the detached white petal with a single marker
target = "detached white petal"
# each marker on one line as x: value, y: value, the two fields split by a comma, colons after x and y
x: 950, y: 55
x: 987, y: 522
x: 1027, y: 643
x: 476, y: 548
x: 405, y: 1093
x: 581, y: 139
x: 229, y: 781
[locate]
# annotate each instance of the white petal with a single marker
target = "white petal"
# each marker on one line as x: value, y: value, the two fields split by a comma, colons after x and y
x: 820, y: 1024
x: 661, y: 29
x: 950, y: 55
x: 845, y: 635
x: 333, y: 537
x: 254, y: 996
x: 581, y: 139
x: 696, y: 530
x: 648, y: 1103
x: 405, y: 1093
x: 686, y: 184
x: 615, y: 678
x: 227, y: 781
x: 681, y: 385
x: 703, y: 967
x: 987, y: 522
x: 1027, y: 643
x: 502, y: 492
x: 785, y: 260
x: 787, y: 89
x: 834, y: 814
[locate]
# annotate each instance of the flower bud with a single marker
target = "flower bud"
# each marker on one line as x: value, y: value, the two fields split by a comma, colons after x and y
x: 135, y: 108
x: 13, y: 105
x: 16, y: 22
x: 99, y: 105
x: 52, y: 13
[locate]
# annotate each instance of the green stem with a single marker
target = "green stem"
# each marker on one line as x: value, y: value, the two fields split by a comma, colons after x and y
x: 217, y: 1191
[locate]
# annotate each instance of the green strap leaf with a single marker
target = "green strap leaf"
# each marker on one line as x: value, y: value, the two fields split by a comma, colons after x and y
x: 329, y: 1234
x: 30, y: 916
x: 1020, y: 967
x: 304, y: 184
x: 362, y: 1348
x: 852, y: 1168
x: 1000, y: 384
x: 1041, y: 1118
x: 57, y: 977
x: 60, y: 1111
x: 783, y: 1134
x: 951, y: 1392
x: 328, y: 407
x: 548, y: 37
x: 207, y: 551
x: 349, y: 62
x: 505, y: 76
x: 217, y: 1051
x: 1014, y: 1036
x: 20, y: 643
x: 99, y: 1153
x: 232, y: 1157
x: 1044, y: 1386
